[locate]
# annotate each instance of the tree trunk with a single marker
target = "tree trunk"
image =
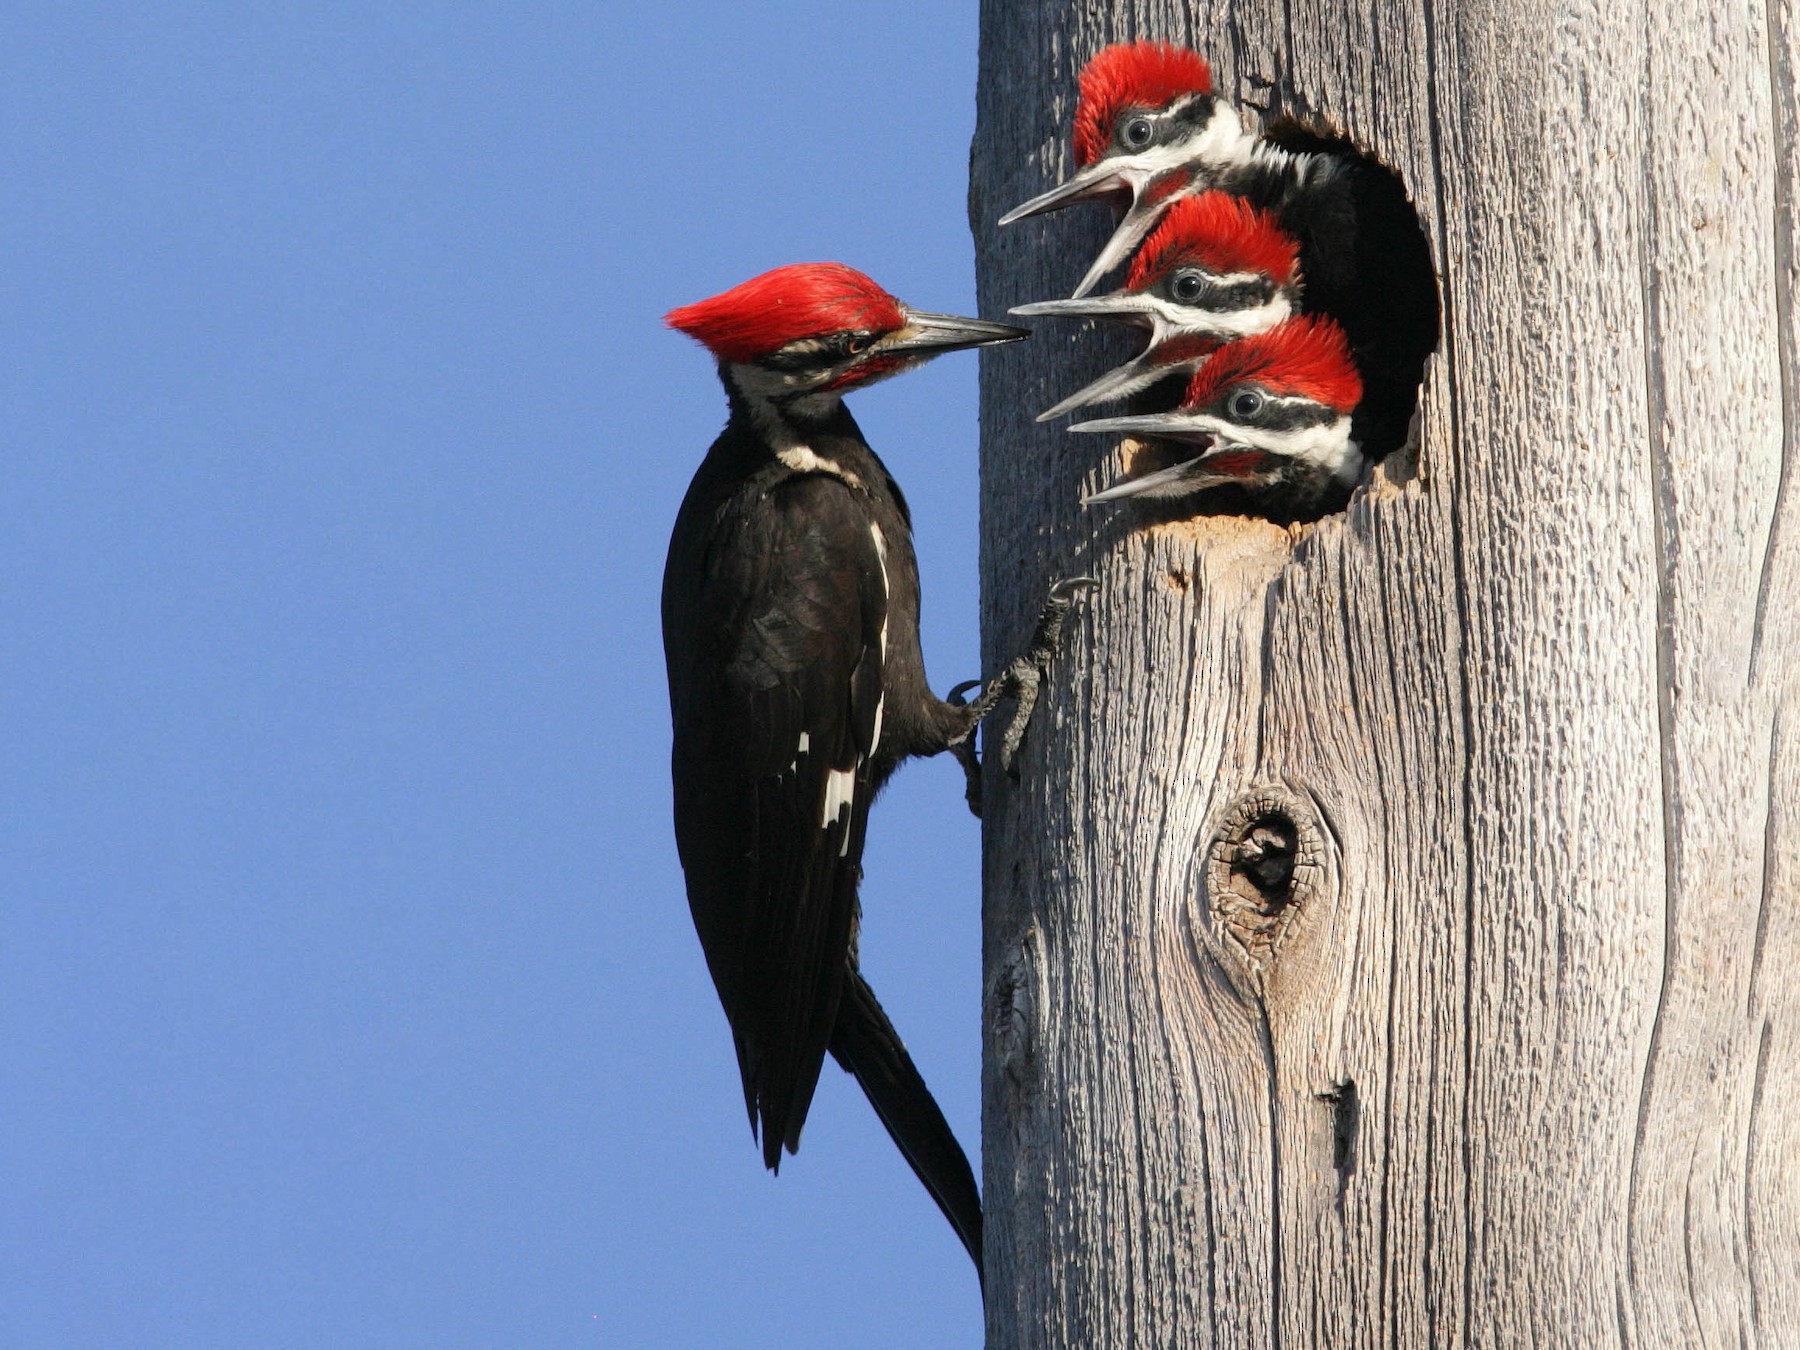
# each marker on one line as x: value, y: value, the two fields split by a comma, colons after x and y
x: 1517, y: 1062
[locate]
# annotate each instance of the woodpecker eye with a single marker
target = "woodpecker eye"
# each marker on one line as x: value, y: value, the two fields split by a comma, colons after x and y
x: 858, y: 343
x: 1244, y: 405
x: 1186, y: 286
x: 1136, y: 133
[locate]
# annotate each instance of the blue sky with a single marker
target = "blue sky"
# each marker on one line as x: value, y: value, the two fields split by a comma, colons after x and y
x: 347, y: 989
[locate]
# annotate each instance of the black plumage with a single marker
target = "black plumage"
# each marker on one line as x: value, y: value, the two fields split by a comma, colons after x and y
x: 790, y: 613
x: 1364, y: 262
x: 776, y: 600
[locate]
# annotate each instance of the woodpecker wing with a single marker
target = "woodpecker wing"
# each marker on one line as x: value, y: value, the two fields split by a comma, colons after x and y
x: 776, y: 716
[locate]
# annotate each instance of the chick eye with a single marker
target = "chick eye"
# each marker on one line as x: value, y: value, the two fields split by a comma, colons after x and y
x: 1186, y: 286
x: 1244, y: 405
x: 1137, y: 133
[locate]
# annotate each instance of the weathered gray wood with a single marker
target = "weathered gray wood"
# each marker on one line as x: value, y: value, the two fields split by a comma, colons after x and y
x: 1533, y: 703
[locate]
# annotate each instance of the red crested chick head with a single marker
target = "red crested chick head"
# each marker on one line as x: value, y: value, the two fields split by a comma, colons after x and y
x: 1132, y: 75
x: 802, y: 300
x: 1305, y: 357
x: 1221, y: 233
x: 1270, y: 413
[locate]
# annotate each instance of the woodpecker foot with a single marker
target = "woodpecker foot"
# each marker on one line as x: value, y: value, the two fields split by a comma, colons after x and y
x: 1022, y: 679
x: 964, y: 749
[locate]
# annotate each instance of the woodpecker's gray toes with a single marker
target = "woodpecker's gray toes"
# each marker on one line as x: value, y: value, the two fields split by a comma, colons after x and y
x: 1026, y: 674
x: 963, y: 747
x: 1021, y: 680
x: 964, y: 750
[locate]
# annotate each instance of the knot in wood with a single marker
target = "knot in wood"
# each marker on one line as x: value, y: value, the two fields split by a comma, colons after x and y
x: 1012, y: 1002
x: 1262, y: 859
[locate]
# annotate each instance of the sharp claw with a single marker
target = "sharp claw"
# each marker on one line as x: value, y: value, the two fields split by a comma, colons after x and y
x: 1070, y: 587
x: 956, y: 695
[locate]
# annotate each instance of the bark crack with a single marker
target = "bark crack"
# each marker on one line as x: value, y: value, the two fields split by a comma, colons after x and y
x: 1769, y: 859
x: 1663, y: 543
x: 1383, y: 1283
x: 1781, y: 132
x: 1756, y: 1096
x: 1459, y: 550
x: 1267, y: 1035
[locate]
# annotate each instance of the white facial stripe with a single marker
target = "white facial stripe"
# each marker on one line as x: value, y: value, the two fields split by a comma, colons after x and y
x: 1168, y: 318
x: 1222, y: 141
x: 1327, y: 445
x: 1243, y: 322
x: 1171, y: 319
x: 1220, y: 278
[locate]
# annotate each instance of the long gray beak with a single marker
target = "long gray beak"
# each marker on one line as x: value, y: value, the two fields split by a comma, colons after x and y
x: 1239, y: 465
x: 1124, y: 306
x: 1121, y: 380
x: 1193, y: 428
x: 1098, y: 180
x: 1094, y: 181
x: 928, y: 334
x: 1189, y: 476
x: 1140, y: 219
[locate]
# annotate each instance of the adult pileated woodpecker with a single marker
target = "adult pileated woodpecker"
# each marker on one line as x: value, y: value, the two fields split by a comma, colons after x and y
x: 1271, y: 415
x: 796, y: 683
x: 1215, y: 269
x: 1149, y: 129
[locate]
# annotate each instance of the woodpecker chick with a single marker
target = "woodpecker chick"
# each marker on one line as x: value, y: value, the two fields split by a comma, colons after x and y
x: 790, y: 613
x: 1270, y: 414
x: 1148, y: 131
x: 1215, y: 269
x: 1149, y: 127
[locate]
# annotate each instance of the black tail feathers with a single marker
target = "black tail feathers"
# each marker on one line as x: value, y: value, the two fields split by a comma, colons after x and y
x: 865, y: 1043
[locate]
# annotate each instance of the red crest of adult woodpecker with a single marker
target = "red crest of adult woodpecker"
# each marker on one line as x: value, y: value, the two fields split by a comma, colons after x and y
x: 1217, y: 268
x: 1147, y: 127
x: 1269, y: 413
x: 796, y: 686
x: 799, y: 337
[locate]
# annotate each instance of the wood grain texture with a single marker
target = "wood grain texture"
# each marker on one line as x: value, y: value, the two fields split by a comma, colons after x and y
x: 1521, y: 1063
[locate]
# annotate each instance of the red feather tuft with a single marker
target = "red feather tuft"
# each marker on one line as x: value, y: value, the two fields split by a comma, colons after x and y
x: 1307, y: 356
x: 1221, y: 233
x: 801, y: 300
x: 1132, y: 75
